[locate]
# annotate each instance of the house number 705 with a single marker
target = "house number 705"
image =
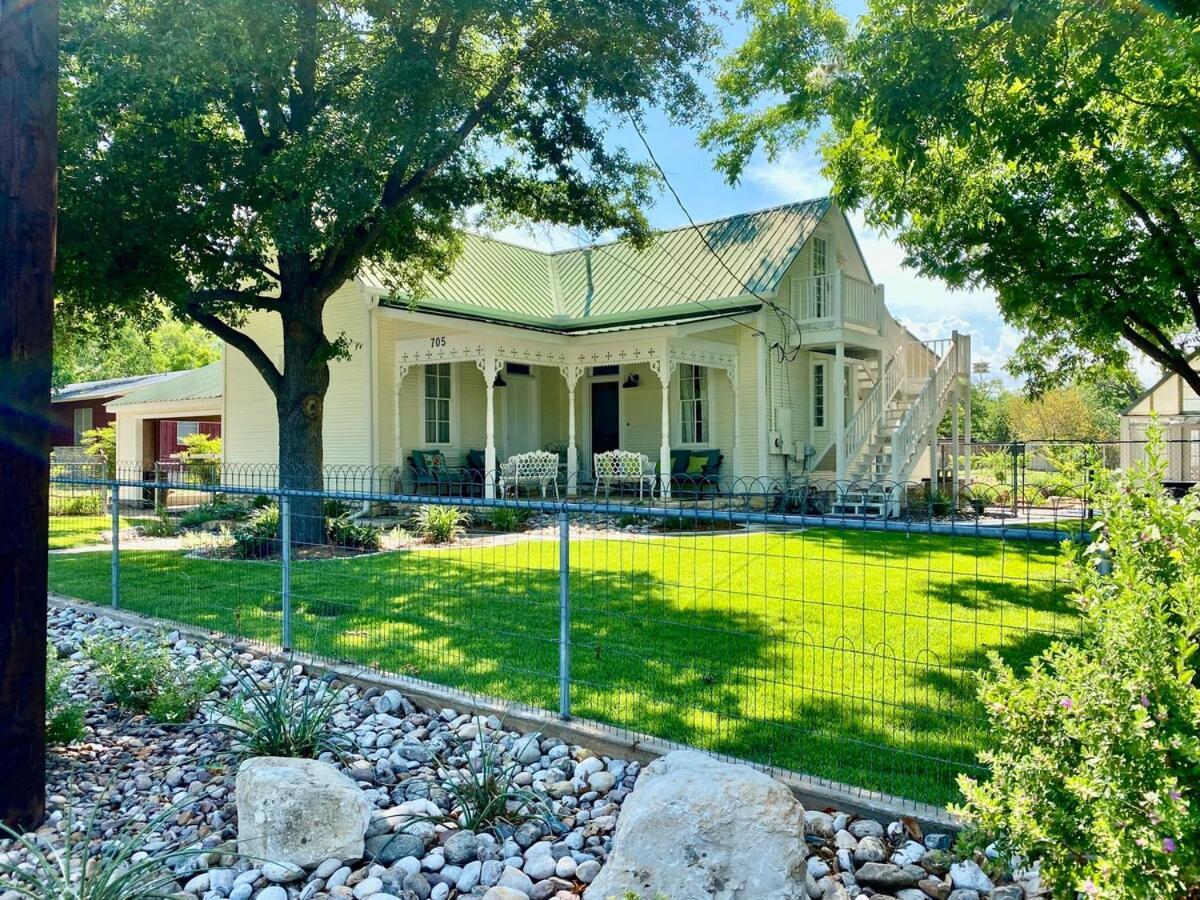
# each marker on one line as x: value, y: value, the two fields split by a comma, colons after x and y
x: 437, y: 342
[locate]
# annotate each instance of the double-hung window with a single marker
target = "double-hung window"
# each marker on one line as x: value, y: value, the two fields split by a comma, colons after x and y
x: 820, y: 268
x: 693, y: 399
x: 437, y: 403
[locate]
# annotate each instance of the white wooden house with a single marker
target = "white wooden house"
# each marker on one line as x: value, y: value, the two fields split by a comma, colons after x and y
x: 762, y: 336
x: 1176, y: 409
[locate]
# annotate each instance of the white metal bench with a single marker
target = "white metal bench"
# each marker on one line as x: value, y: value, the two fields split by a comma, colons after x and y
x: 621, y: 467
x: 538, y: 467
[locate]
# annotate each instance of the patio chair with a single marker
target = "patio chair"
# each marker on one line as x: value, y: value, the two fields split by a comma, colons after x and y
x: 689, y: 474
x: 429, y: 470
x: 622, y: 467
x: 537, y: 467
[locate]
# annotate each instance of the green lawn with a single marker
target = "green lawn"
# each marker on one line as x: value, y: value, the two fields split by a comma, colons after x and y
x: 845, y: 655
x: 78, y: 531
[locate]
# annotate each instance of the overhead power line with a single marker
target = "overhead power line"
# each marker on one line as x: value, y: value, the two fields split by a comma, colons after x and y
x: 782, y: 315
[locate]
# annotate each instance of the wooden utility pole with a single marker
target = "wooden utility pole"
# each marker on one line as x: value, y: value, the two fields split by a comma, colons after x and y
x: 28, y: 182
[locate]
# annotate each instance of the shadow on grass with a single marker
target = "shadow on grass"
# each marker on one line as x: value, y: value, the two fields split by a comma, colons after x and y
x: 819, y: 697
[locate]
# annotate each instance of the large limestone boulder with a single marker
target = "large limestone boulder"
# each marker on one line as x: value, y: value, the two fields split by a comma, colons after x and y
x: 695, y: 828
x: 299, y: 811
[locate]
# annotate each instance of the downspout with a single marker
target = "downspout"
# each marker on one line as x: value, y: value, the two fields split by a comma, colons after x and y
x: 764, y: 424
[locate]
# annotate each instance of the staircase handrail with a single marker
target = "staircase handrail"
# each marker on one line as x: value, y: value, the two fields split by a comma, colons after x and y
x: 927, y: 404
x: 866, y: 419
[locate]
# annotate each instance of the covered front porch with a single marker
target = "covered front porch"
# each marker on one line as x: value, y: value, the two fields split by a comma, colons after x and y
x: 467, y: 402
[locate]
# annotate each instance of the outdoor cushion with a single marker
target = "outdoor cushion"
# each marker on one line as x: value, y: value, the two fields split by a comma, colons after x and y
x: 476, y: 459
x: 714, y: 460
x: 696, y: 465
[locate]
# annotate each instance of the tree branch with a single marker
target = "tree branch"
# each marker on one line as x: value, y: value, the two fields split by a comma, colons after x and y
x: 339, y: 260
x: 230, y: 295
x: 239, y: 340
x: 1167, y: 356
x: 1186, y: 278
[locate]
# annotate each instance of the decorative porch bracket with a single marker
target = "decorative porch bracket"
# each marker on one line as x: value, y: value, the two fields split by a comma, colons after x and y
x: 571, y: 374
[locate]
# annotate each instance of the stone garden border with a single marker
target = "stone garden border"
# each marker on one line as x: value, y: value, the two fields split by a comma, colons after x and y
x: 606, y: 740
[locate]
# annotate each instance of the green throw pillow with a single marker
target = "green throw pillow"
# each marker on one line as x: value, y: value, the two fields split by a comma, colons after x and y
x: 696, y: 465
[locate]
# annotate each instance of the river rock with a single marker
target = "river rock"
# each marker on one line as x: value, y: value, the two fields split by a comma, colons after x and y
x: 299, y: 811
x: 703, y: 829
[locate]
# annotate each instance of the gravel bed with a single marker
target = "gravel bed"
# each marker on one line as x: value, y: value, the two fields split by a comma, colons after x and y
x: 128, y: 770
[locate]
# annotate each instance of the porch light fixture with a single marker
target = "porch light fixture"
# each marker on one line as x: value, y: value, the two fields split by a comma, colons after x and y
x: 632, y: 380
x: 499, y: 382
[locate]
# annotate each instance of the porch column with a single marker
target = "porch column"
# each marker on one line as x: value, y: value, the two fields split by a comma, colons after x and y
x: 489, y: 369
x: 967, y: 431
x: 839, y: 409
x: 734, y: 462
x: 572, y: 374
x: 664, y: 451
x: 398, y: 452
x: 954, y: 445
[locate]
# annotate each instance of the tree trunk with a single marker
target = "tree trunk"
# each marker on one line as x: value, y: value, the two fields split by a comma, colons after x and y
x: 28, y: 147
x: 300, y: 405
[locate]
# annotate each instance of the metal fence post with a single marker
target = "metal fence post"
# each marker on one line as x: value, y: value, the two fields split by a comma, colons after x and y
x: 115, y: 512
x: 564, y: 615
x: 285, y: 554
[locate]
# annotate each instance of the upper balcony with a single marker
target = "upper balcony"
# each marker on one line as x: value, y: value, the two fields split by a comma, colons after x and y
x: 831, y: 306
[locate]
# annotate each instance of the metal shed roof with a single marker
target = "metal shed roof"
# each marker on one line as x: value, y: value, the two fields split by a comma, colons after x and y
x: 205, y: 383
x: 108, y: 387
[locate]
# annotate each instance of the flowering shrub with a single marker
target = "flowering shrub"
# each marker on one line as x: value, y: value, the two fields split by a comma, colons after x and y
x: 1096, y: 765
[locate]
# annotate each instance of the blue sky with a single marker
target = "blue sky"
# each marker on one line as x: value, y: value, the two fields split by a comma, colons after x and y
x: 927, y: 306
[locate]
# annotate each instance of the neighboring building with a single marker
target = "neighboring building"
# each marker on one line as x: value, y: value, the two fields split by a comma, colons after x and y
x: 80, y: 407
x: 774, y: 347
x: 152, y: 421
x: 1177, y: 410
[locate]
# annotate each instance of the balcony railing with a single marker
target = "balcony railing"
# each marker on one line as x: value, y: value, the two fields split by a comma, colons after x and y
x: 837, y: 298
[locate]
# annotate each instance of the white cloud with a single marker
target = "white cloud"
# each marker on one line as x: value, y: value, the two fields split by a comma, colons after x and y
x: 792, y: 176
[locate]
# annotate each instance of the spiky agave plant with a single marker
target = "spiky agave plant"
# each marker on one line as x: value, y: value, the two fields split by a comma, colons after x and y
x: 279, y: 720
x: 486, y: 796
x: 72, y: 872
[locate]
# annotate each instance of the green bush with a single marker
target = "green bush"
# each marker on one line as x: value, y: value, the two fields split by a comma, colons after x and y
x: 216, y: 511
x: 336, y: 509
x: 440, y: 524
x: 162, y: 525
x: 1095, y: 769
x: 345, y: 532
x: 76, y: 505
x: 102, y: 443
x: 142, y: 678
x: 64, y: 718
x: 258, y: 537
x: 505, y: 518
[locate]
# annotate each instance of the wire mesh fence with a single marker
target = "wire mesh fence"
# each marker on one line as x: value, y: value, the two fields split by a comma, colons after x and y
x: 794, y: 623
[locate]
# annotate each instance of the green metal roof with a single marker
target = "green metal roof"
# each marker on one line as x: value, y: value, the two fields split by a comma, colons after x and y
x: 689, y: 271
x: 205, y: 383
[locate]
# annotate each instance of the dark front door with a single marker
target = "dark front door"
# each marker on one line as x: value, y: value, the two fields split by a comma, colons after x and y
x: 606, y: 416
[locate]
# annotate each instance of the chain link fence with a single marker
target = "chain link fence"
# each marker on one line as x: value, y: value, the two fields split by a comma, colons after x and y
x: 760, y: 619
